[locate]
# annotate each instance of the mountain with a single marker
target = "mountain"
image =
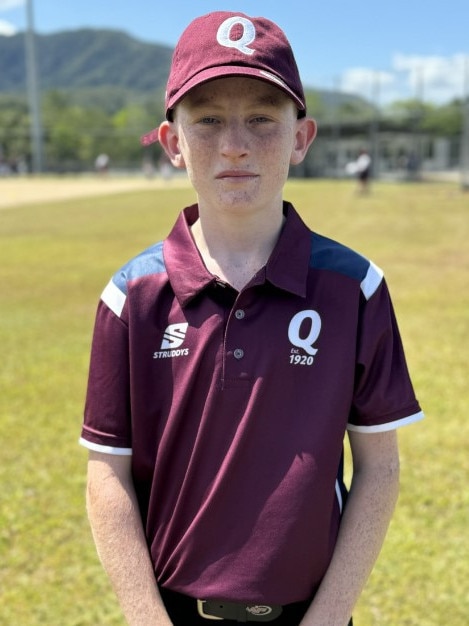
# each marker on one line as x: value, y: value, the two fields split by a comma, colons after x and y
x: 85, y: 58
x: 107, y: 68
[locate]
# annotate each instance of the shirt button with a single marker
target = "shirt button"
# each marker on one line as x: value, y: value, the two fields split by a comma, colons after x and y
x: 238, y: 353
x: 239, y: 314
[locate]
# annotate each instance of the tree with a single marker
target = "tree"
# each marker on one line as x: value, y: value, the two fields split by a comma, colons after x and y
x: 14, y: 129
x: 446, y: 120
x: 74, y: 135
x: 443, y: 120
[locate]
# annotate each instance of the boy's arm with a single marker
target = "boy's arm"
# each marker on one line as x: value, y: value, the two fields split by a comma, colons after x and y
x: 120, y: 541
x: 370, y: 505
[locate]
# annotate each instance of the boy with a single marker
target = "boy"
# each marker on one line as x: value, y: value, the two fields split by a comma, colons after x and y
x: 229, y: 361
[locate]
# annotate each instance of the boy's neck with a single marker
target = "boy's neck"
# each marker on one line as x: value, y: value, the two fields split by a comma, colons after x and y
x: 235, y: 252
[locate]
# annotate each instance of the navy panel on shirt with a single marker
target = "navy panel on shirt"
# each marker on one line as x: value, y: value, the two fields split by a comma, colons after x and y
x: 327, y: 254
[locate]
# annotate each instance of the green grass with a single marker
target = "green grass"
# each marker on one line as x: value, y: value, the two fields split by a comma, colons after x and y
x: 54, y: 261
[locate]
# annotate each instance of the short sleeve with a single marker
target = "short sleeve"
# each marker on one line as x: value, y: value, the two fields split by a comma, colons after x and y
x: 384, y: 397
x: 107, y: 423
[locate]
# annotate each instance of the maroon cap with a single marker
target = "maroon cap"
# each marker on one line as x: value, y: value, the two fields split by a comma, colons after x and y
x: 223, y: 44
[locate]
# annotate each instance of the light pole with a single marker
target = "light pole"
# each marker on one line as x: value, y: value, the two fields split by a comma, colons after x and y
x: 374, y: 126
x: 465, y: 130
x: 33, y: 91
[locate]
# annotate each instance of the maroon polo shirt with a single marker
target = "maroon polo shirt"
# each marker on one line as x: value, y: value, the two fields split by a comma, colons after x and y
x: 234, y: 405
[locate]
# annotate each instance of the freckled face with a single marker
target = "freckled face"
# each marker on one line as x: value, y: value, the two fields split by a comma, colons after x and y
x: 237, y: 138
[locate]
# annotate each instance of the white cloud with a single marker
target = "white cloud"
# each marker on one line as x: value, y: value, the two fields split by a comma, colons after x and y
x: 435, y: 79
x: 7, y: 29
x: 6, y: 5
x: 366, y: 82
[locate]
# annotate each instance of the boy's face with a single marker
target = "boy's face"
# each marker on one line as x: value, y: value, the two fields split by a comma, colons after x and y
x: 237, y: 138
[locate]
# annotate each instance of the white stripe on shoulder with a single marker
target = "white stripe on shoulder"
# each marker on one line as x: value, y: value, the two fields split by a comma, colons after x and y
x: 372, y: 280
x: 382, y: 428
x: 113, y: 297
x: 96, y: 447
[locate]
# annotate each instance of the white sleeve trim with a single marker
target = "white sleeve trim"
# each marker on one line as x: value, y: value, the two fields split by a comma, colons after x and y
x: 382, y: 428
x: 372, y: 280
x: 97, y: 447
x: 114, y: 298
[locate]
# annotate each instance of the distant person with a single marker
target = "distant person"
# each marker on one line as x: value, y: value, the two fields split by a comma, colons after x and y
x: 412, y: 167
x: 230, y: 360
x: 363, y: 170
x: 102, y: 164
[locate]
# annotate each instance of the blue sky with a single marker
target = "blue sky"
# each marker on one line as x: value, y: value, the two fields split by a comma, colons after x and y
x: 381, y: 50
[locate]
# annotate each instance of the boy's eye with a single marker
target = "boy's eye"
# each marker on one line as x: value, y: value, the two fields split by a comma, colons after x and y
x: 208, y: 120
x: 260, y: 119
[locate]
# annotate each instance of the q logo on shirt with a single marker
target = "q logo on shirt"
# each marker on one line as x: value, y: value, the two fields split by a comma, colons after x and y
x: 303, y: 331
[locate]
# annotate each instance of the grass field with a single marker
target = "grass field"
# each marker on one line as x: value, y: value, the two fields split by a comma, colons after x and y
x: 55, y: 258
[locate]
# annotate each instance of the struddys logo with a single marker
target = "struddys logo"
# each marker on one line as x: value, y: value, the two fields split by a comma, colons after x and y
x: 173, y: 339
x: 303, y: 332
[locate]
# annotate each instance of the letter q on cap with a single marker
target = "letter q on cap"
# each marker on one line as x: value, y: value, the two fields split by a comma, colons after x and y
x: 249, y: 34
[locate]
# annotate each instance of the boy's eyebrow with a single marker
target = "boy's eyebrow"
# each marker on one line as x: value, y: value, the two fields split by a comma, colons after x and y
x: 197, y: 101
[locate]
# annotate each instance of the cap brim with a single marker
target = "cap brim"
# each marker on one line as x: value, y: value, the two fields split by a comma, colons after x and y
x: 223, y: 71
x: 149, y: 138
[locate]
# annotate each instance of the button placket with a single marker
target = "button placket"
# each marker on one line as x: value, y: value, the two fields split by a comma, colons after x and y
x: 235, y: 335
x: 239, y: 352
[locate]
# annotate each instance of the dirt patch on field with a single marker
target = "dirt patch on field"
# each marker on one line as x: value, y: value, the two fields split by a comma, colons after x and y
x: 16, y: 191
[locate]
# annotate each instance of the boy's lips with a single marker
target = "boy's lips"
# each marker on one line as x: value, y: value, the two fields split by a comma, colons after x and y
x: 234, y: 174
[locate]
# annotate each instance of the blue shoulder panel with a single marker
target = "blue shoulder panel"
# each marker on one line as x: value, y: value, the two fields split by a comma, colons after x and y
x: 150, y: 261
x: 327, y: 254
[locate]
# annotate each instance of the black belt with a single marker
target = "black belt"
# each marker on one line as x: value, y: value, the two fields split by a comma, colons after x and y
x: 240, y: 612
x: 180, y: 607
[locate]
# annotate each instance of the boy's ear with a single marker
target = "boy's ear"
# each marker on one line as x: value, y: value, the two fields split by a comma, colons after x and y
x: 305, y: 134
x: 169, y: 141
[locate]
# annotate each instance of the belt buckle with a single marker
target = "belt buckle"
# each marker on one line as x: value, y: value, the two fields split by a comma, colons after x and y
x: 201, y: 612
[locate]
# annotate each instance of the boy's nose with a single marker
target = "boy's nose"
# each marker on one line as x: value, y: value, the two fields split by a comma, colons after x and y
x: 234, y: 140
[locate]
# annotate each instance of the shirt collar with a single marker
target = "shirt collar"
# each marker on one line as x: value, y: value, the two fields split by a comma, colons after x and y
x: 287, y: 267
